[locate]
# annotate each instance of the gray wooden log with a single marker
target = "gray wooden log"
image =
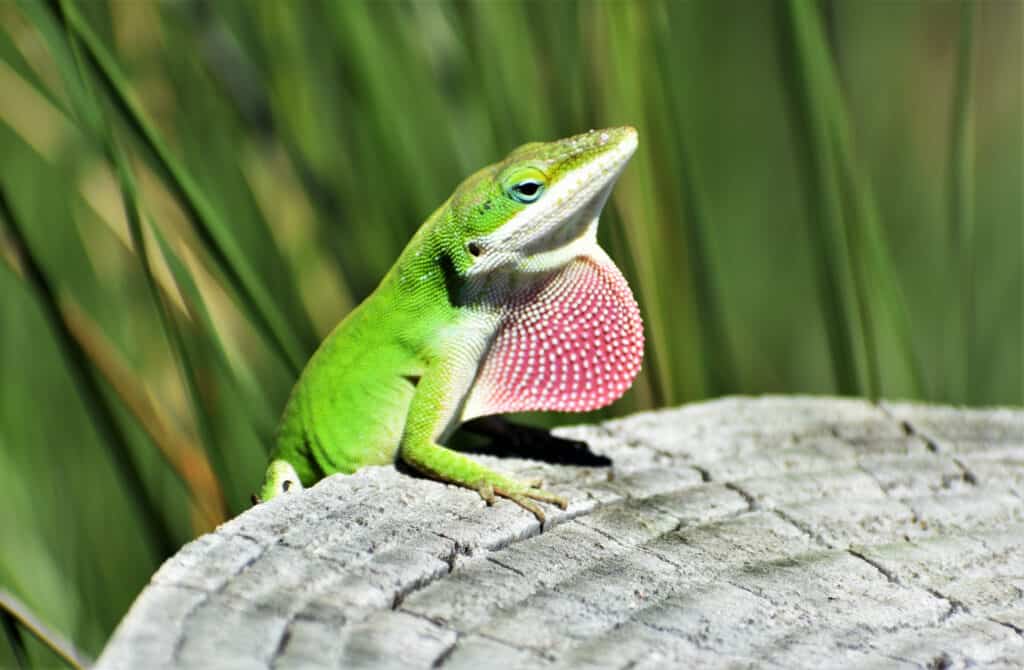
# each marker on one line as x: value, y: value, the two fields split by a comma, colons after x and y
x: 788, y: 532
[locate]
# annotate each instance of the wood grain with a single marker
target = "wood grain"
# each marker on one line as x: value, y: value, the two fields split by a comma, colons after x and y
x: 768, y: 532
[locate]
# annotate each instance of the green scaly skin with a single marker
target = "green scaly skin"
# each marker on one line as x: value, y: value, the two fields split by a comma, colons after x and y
x: 393, y: 377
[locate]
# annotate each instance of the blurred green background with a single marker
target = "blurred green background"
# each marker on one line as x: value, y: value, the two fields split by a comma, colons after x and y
x: 826, y: 199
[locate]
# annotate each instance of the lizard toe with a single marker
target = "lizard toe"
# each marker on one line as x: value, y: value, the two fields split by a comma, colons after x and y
x: 523, y: 501
x: 525, y: 494
x: 486, y: 491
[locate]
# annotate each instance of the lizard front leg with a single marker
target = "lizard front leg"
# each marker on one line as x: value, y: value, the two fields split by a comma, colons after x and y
x: 437, y: 398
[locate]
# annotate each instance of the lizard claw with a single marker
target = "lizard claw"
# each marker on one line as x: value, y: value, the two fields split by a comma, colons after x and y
x: 486, y: 491
x: 525, y: 503
x: 525, y: 496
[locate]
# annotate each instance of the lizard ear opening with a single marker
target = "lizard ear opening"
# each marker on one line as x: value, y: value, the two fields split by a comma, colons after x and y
x: 474, y: 249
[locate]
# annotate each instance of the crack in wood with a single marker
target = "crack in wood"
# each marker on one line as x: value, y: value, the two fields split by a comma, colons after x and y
x: 1015, y: 628
x: 955, y: 606
x: 446, y: 653
x: 179, y: 643
x: 282, y: 644
x: 904, y: 659
x: 941, y: 662
x: 752, y: 591
x: 885, y: 572
x: 705, y: 474
x: 909, y: 429
x: 506, y: 566
x: 456, y: 550
x: 932, y: 444
x: 459, y: 549
x: 642, y: 546
x: 752, y: 504
x: 804, y: 528
x: 544, y: 654
x: 968, y: 475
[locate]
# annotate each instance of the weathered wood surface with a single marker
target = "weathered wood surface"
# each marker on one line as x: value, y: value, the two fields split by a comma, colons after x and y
x: 788, y: 532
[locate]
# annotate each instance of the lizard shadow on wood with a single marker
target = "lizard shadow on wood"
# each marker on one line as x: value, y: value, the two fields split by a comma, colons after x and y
x: 497, y: 436
x: 509, y: 439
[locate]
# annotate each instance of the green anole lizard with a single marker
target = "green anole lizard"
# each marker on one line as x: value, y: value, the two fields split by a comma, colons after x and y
x: 501, y: 302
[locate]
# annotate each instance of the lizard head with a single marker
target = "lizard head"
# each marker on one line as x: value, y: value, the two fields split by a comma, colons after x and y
x: 522, y: 237
x: 538, y: 208
x: 281, y: 477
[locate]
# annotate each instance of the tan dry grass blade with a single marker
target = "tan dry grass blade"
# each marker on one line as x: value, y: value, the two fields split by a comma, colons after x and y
x: 182, y: 455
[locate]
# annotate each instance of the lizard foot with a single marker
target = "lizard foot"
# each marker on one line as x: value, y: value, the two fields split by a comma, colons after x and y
x: 455, y: 468
x: 524, y: 494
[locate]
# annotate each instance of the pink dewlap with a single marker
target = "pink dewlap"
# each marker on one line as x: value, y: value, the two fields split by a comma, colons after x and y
x: 572, y: 344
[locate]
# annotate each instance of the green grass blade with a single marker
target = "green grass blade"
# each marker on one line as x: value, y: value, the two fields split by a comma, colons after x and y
x: 960, y: 343
x: 82, y: 105
x: 720, y: 375
x: 856, y: 232
x: 619, y: 25
x: 261, y: 415
x: 204, y: 490
x: 249, y: 91
x: 880, y: 302
x: 187, y: 462
x: 211, y: 228
x: 23, y: 64
x: 15, y: 640
x: 186, y: 368
x: 154, y: 525
x: 833, y: 272
x: 886, y: 306
x: 720, y: 370
x: 16, y: 614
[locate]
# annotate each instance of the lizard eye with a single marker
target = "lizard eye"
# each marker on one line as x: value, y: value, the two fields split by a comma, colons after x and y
x: 526, y: 191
